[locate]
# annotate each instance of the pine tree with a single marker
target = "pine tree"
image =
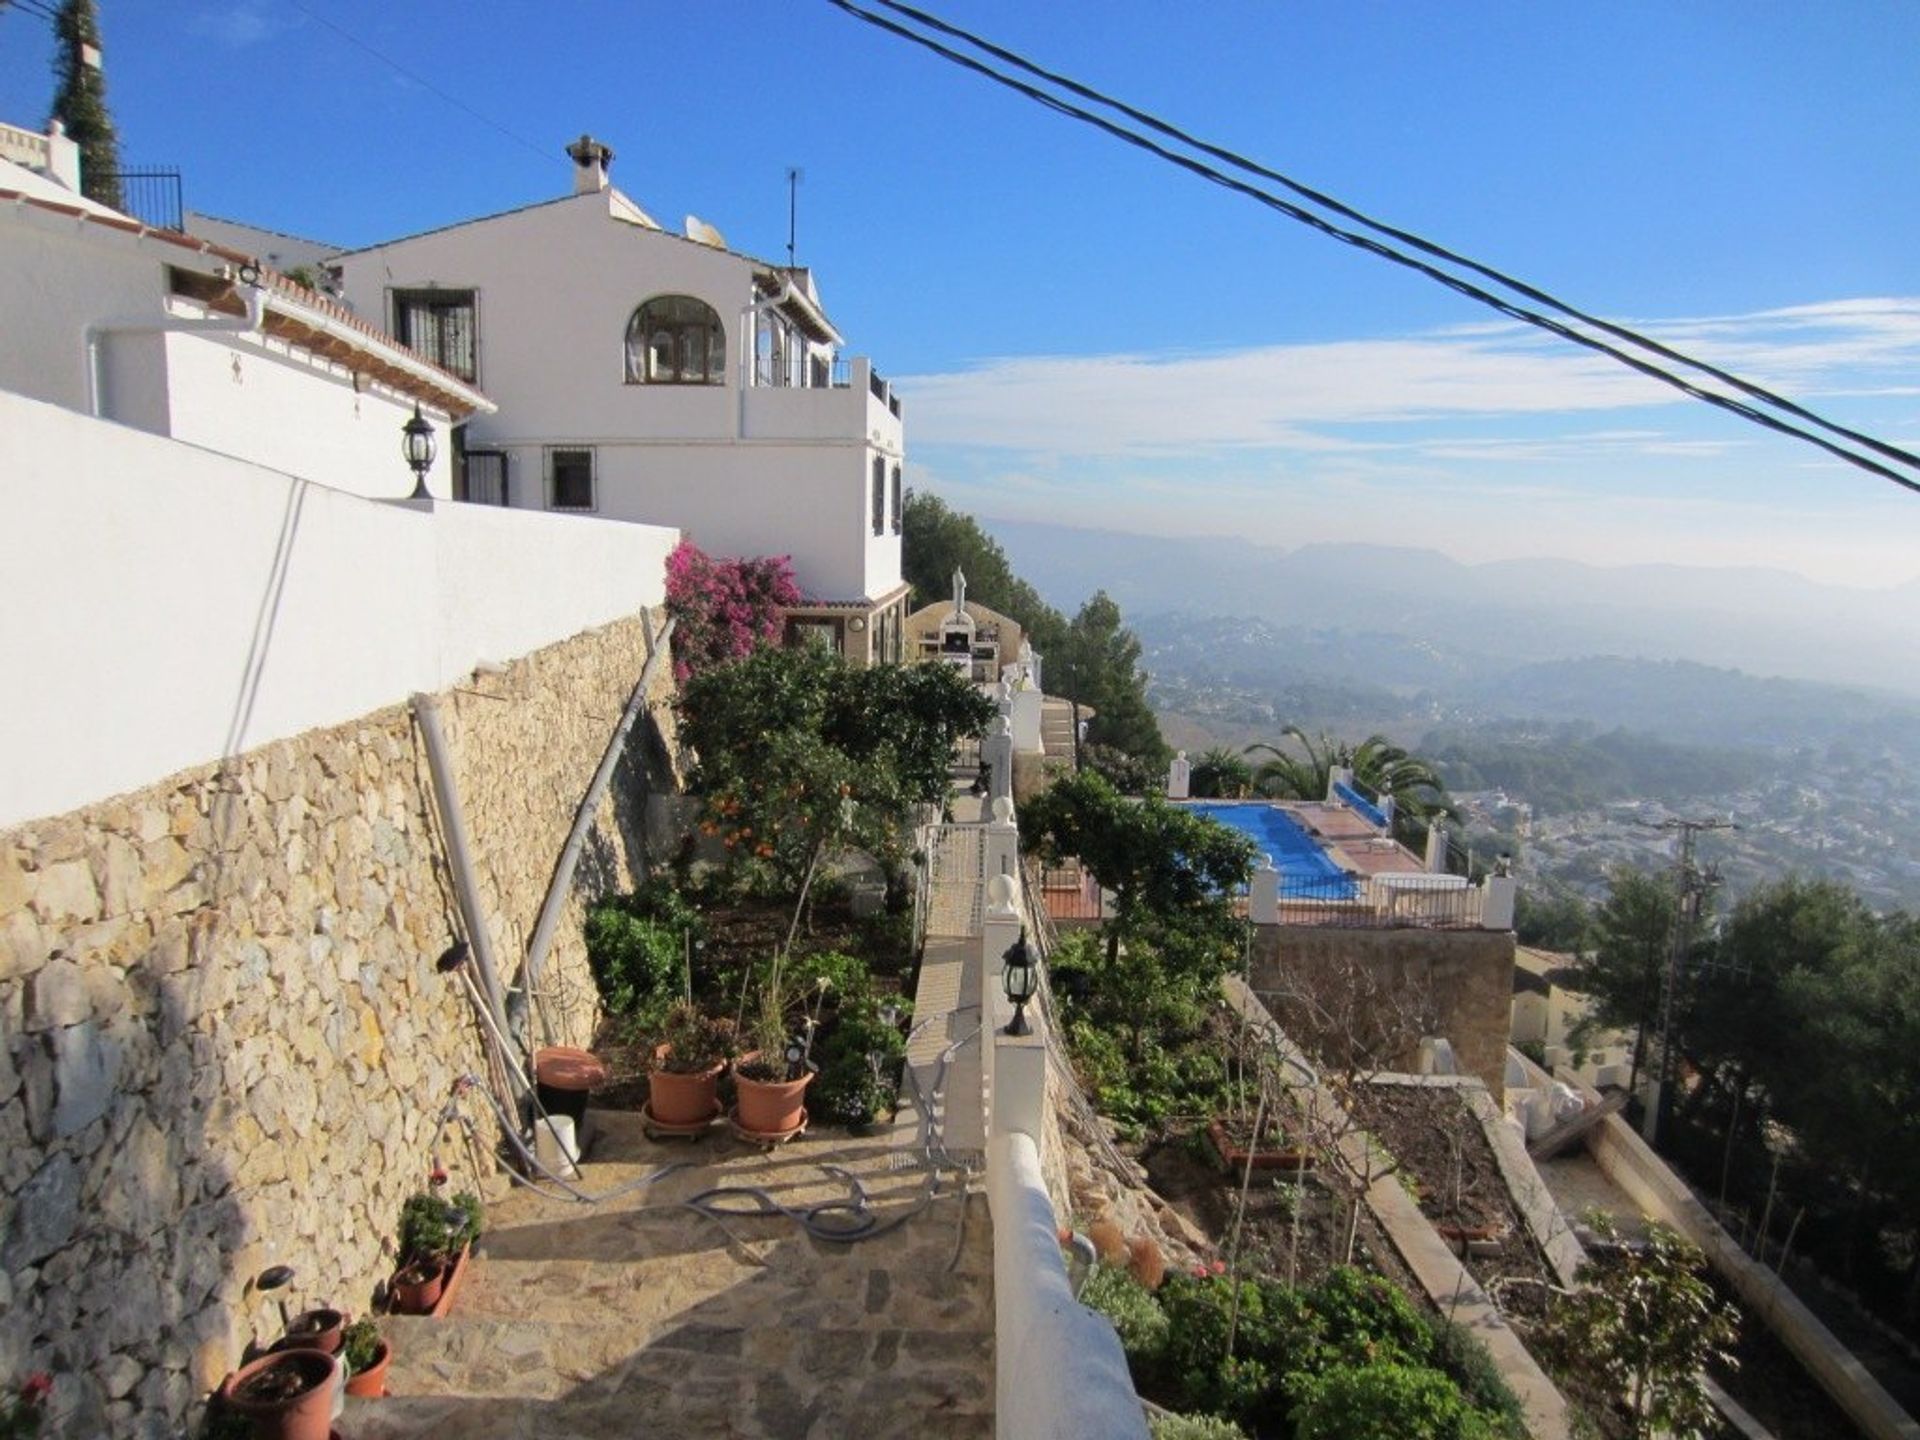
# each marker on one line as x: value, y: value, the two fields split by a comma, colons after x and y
x: 80, y: 101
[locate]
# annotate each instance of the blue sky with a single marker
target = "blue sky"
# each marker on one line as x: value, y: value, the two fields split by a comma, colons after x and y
x: 1085, y: 335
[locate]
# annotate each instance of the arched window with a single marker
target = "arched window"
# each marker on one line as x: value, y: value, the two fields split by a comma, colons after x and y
x: 676, y: 340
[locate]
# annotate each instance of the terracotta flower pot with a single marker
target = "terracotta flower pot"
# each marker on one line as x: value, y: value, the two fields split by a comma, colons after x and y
x: 682, y: 1099
x: 416, y: 1287
x: 770, y: 1107
x: 287, y: 1395
x: 371, y: 1383
x: 317, y: 1329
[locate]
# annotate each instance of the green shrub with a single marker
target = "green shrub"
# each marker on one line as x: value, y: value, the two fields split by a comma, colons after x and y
x: 1136, y: 1315
x: 1194, y: 1427
x: 859, y: 1064
x: 1366, y: 1318
x: 846, y: 977
x: 1461, y: 1356
x: 432, y: 1228
x: 1384, y: 1401
x: 638, y: 964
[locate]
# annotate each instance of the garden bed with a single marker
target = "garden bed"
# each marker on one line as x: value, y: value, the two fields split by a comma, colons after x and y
x: 1447, y: 1163
x: 1186, y: 1173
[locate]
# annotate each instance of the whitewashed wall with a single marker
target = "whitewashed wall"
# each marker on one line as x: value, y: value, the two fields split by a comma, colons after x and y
x: 171, y: 606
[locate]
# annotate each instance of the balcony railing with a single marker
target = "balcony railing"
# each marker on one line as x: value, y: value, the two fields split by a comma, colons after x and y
x: 777, y: 374
x: 1380, y: 902
x: 151, y: 196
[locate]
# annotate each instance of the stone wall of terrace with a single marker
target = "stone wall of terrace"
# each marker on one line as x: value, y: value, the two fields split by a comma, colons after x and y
x: 1377, y: 992
x: 223, y: 1041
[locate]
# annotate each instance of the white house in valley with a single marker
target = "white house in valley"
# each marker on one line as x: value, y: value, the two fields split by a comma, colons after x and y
x: 646, y: 375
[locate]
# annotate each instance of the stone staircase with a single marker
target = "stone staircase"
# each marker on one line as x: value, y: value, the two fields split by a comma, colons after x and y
x: 638, y: 1315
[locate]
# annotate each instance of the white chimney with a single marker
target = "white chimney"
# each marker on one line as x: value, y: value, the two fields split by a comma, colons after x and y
x: 591, y: 161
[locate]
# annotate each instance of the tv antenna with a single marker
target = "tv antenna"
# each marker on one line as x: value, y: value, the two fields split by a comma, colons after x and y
x: 794, y: 176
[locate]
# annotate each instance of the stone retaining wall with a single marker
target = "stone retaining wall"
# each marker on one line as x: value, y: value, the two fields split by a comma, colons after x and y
x: 223, y: 1042
x: 1338, y: 990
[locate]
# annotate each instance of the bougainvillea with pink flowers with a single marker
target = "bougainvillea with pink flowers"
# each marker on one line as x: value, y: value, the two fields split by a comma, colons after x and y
x: 725, y: 608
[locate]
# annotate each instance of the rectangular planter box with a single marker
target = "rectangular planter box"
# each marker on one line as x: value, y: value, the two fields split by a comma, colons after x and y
x: 1235, y: 1158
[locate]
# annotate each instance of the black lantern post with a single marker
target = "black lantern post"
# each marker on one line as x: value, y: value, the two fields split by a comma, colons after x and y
x: 1019, y: 977
x: 416, y: 443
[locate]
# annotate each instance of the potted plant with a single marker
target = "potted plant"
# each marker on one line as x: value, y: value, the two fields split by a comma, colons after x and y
x: 285, y: 1395
x: 320, y: 1328
x: 367, y: 1355
x: 771, y: 1079
x: 434, y: 1236
x: 683, y: 1088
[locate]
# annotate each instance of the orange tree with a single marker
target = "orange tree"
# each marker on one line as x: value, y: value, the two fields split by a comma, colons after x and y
x: 800, y: 754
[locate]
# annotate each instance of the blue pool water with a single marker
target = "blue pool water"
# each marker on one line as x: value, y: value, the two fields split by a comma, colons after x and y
x: 1305, y: 869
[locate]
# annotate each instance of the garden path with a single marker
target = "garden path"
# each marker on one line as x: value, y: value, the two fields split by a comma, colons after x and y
x: 640, y: 1315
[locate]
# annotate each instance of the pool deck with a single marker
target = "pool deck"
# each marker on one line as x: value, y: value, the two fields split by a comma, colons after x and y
x: 1346, y: 839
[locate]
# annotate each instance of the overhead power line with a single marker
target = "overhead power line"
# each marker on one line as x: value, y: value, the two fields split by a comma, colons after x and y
x: 422, y: 81
x: 1388, y: 252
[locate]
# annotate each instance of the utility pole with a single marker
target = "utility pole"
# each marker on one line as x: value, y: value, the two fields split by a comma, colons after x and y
x: 1690, y: 887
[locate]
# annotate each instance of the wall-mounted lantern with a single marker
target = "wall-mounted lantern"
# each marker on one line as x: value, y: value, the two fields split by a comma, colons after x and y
x: 416, y: 443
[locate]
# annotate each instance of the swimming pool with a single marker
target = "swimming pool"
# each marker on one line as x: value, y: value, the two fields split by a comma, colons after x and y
x: 1305, y: 869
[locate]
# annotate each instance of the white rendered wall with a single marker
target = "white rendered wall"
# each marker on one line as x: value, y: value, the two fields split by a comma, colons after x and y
x: 173, y: 606
x: 809, y: 502
x: 53, y: 283
x: 759, y: 472
x: 258, y: 399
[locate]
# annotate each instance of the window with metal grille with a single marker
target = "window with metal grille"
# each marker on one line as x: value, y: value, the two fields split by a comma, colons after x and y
x: 879, y: 496
x: 570, y: 479
x: 439, y: 324
x: 896, y: 500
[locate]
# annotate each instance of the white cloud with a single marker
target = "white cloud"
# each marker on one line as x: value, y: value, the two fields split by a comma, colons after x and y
x: 235, y: 26
x: 1289, y: 397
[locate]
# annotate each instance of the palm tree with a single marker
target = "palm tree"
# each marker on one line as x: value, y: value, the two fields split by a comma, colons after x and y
x: 1376, y: 762
x: 1285, y: 776
x: 1221, y: 774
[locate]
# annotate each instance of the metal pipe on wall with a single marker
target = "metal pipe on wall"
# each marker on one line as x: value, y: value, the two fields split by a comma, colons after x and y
x: 562, y: 883
x: 453, y: 824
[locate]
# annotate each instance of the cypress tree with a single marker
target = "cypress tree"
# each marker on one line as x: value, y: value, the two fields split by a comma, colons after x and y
x: 80, y: 101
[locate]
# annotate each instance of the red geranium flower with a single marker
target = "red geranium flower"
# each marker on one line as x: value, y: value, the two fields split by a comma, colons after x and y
x: 35, y: 1389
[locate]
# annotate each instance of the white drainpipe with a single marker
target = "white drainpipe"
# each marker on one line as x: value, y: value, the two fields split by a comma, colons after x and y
x: 255, y: 297
x: 749, y: 357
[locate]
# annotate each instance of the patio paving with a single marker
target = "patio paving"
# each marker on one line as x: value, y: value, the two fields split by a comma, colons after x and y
x: 639, y: 1314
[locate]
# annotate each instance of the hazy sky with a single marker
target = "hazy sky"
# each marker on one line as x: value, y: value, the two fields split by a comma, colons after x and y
x: 1084, y: 334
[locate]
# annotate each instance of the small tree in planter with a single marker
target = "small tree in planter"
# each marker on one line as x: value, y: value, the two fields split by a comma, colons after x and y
x: 433, y: 1234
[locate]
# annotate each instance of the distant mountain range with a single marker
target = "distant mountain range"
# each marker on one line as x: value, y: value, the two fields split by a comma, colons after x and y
x: 1482, y: 621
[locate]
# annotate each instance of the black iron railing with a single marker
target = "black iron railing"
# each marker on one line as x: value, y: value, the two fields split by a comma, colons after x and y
x: 151, y: 196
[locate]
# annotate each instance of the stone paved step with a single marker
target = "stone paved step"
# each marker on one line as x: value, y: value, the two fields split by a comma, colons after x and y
x: 585, y: 1357
x: 770, y: 1406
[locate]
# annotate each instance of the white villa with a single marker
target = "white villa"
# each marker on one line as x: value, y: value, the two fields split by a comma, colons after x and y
x: 644, y: 375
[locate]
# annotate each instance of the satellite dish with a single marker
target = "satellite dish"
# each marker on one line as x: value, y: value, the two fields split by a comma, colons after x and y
x: 698, y: 230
